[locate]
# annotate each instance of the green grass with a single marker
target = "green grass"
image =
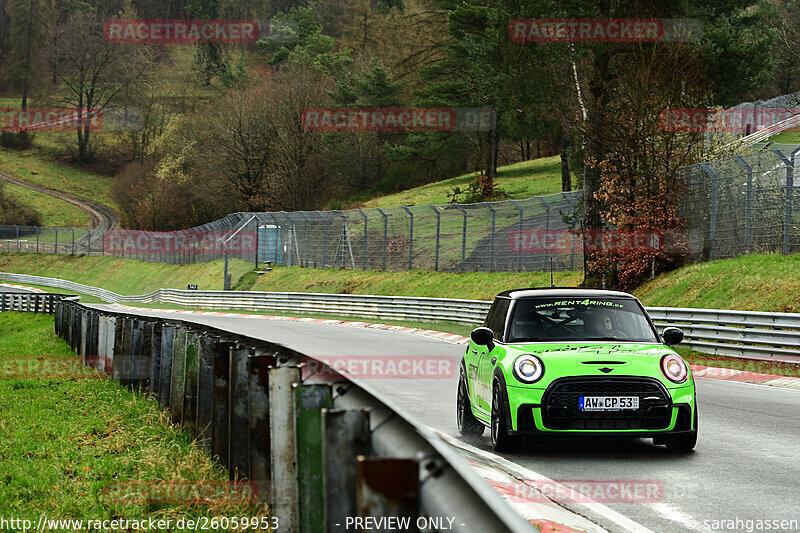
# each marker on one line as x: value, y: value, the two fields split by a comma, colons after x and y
x: 32, y: 167
x: 123, y: 276
x: 769, y: 282
x: 75, y: 445
x: 787, y: 137
x: 521, y: 180
x: 54, y: 212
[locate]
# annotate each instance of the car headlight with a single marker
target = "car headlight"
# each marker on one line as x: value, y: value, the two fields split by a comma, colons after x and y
x: 674, y: 368
x: 528, y: 369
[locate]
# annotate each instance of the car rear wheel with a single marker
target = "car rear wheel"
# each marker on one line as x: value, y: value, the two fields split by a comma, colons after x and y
x: 468, y: 425
x: 501, y: 440
x: 683, y: 443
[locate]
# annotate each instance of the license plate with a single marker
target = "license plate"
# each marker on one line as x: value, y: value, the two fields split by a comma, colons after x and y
x: 607, y: 403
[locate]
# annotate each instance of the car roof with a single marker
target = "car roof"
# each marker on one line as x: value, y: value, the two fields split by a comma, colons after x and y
x: 564, y: 292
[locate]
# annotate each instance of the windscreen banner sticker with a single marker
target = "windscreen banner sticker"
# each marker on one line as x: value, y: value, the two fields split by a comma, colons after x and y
x: 587, y: 302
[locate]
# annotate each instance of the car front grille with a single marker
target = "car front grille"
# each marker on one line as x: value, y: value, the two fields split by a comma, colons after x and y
x: 560, y: 404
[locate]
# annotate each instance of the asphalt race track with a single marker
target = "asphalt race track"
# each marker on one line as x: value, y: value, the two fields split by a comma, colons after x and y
x: 746, y: 464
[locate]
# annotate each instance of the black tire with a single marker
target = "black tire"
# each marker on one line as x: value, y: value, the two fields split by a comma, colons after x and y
x: 468, y: 425
x: 501, y: 440
x: 683, y: 443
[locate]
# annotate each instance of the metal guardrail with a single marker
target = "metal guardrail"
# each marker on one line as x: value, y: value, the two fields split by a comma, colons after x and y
x: 318, y: 448
x: 736, y: 333
x: 31, y: 302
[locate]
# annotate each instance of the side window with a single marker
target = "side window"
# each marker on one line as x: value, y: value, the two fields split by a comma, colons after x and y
x: 496, y: 319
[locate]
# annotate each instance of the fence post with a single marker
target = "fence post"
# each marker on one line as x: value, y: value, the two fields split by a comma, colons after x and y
x: 748, y: 203
x: 385, y: 235
x: 366, y: 222
x: 324, y: 237
x: 73, y: 241
x: 345, y: 436
x: 491, y: 239
x: 258, y: 240
x: 787, y: 210
x: 308, y: 236
x: 55, y: 248
x: 37, y: 239
x: 282, y: 445
x: 410, y: 236
x: 463, y: 236
x: 521, y: 222
x: 17, y: 230
x: 712, y: 224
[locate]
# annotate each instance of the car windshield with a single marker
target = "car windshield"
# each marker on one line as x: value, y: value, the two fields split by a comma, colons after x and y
x: 580, y: 319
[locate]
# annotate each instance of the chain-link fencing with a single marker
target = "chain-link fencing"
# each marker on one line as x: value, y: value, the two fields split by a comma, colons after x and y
x: 733, y: 206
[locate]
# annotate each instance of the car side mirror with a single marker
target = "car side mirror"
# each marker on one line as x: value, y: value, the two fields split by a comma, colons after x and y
x: 483, y: 337
x: 672, y: 336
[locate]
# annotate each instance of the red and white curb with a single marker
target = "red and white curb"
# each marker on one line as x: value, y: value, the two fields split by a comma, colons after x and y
x: 22, y: 287
x: 442, y: 336
x: 729, y: 374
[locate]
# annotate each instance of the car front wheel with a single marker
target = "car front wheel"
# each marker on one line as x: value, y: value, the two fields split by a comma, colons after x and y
x: 683, y: 443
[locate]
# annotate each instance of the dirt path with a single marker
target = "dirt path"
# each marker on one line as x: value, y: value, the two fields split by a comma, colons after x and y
x: 100, y: 216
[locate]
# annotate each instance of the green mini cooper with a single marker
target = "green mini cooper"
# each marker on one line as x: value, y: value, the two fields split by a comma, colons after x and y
x: 564, y: 362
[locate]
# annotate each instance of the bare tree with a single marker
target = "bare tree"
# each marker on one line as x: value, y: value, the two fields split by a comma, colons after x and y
x: 96, y: 72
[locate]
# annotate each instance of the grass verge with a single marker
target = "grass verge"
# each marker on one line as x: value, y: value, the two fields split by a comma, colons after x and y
x: 54, y: 212
x: 521, y: 180
x: 123, y: 276
x: 37, y: 169
x: 83, y: 447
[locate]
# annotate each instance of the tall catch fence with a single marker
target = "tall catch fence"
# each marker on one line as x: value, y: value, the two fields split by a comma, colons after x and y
x: 733, y: 206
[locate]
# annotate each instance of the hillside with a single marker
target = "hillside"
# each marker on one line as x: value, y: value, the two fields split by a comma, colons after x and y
x: 521, y: 180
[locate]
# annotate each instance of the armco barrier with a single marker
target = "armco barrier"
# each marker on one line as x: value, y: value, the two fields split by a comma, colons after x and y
x: 318, y: 450
x: 735, y: 333
x: 31, y: 302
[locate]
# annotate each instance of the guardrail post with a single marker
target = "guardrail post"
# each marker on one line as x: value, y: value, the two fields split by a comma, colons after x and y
x: 345, y: 436
x: 94, y: 349
x: 178, y: 375
x: 144, y: 357
x: 282, y: 445
x: 102, y: 342
x: 136, y: 355
x: 309, y: 400
x: 82, y: 335
x: 239, y: 425
x: 3, y: 302
x: 156, y: 338
x: 190, y: 390
x: 258, y: 409
x: 220, y: 415
x: 111, y: 346
x: 205, y: 390
x: 165, y: 365
x: 122, y: 359
x: 388, y: 487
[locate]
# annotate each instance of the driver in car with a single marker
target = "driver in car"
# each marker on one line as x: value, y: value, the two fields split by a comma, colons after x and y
x: 603, y: 325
